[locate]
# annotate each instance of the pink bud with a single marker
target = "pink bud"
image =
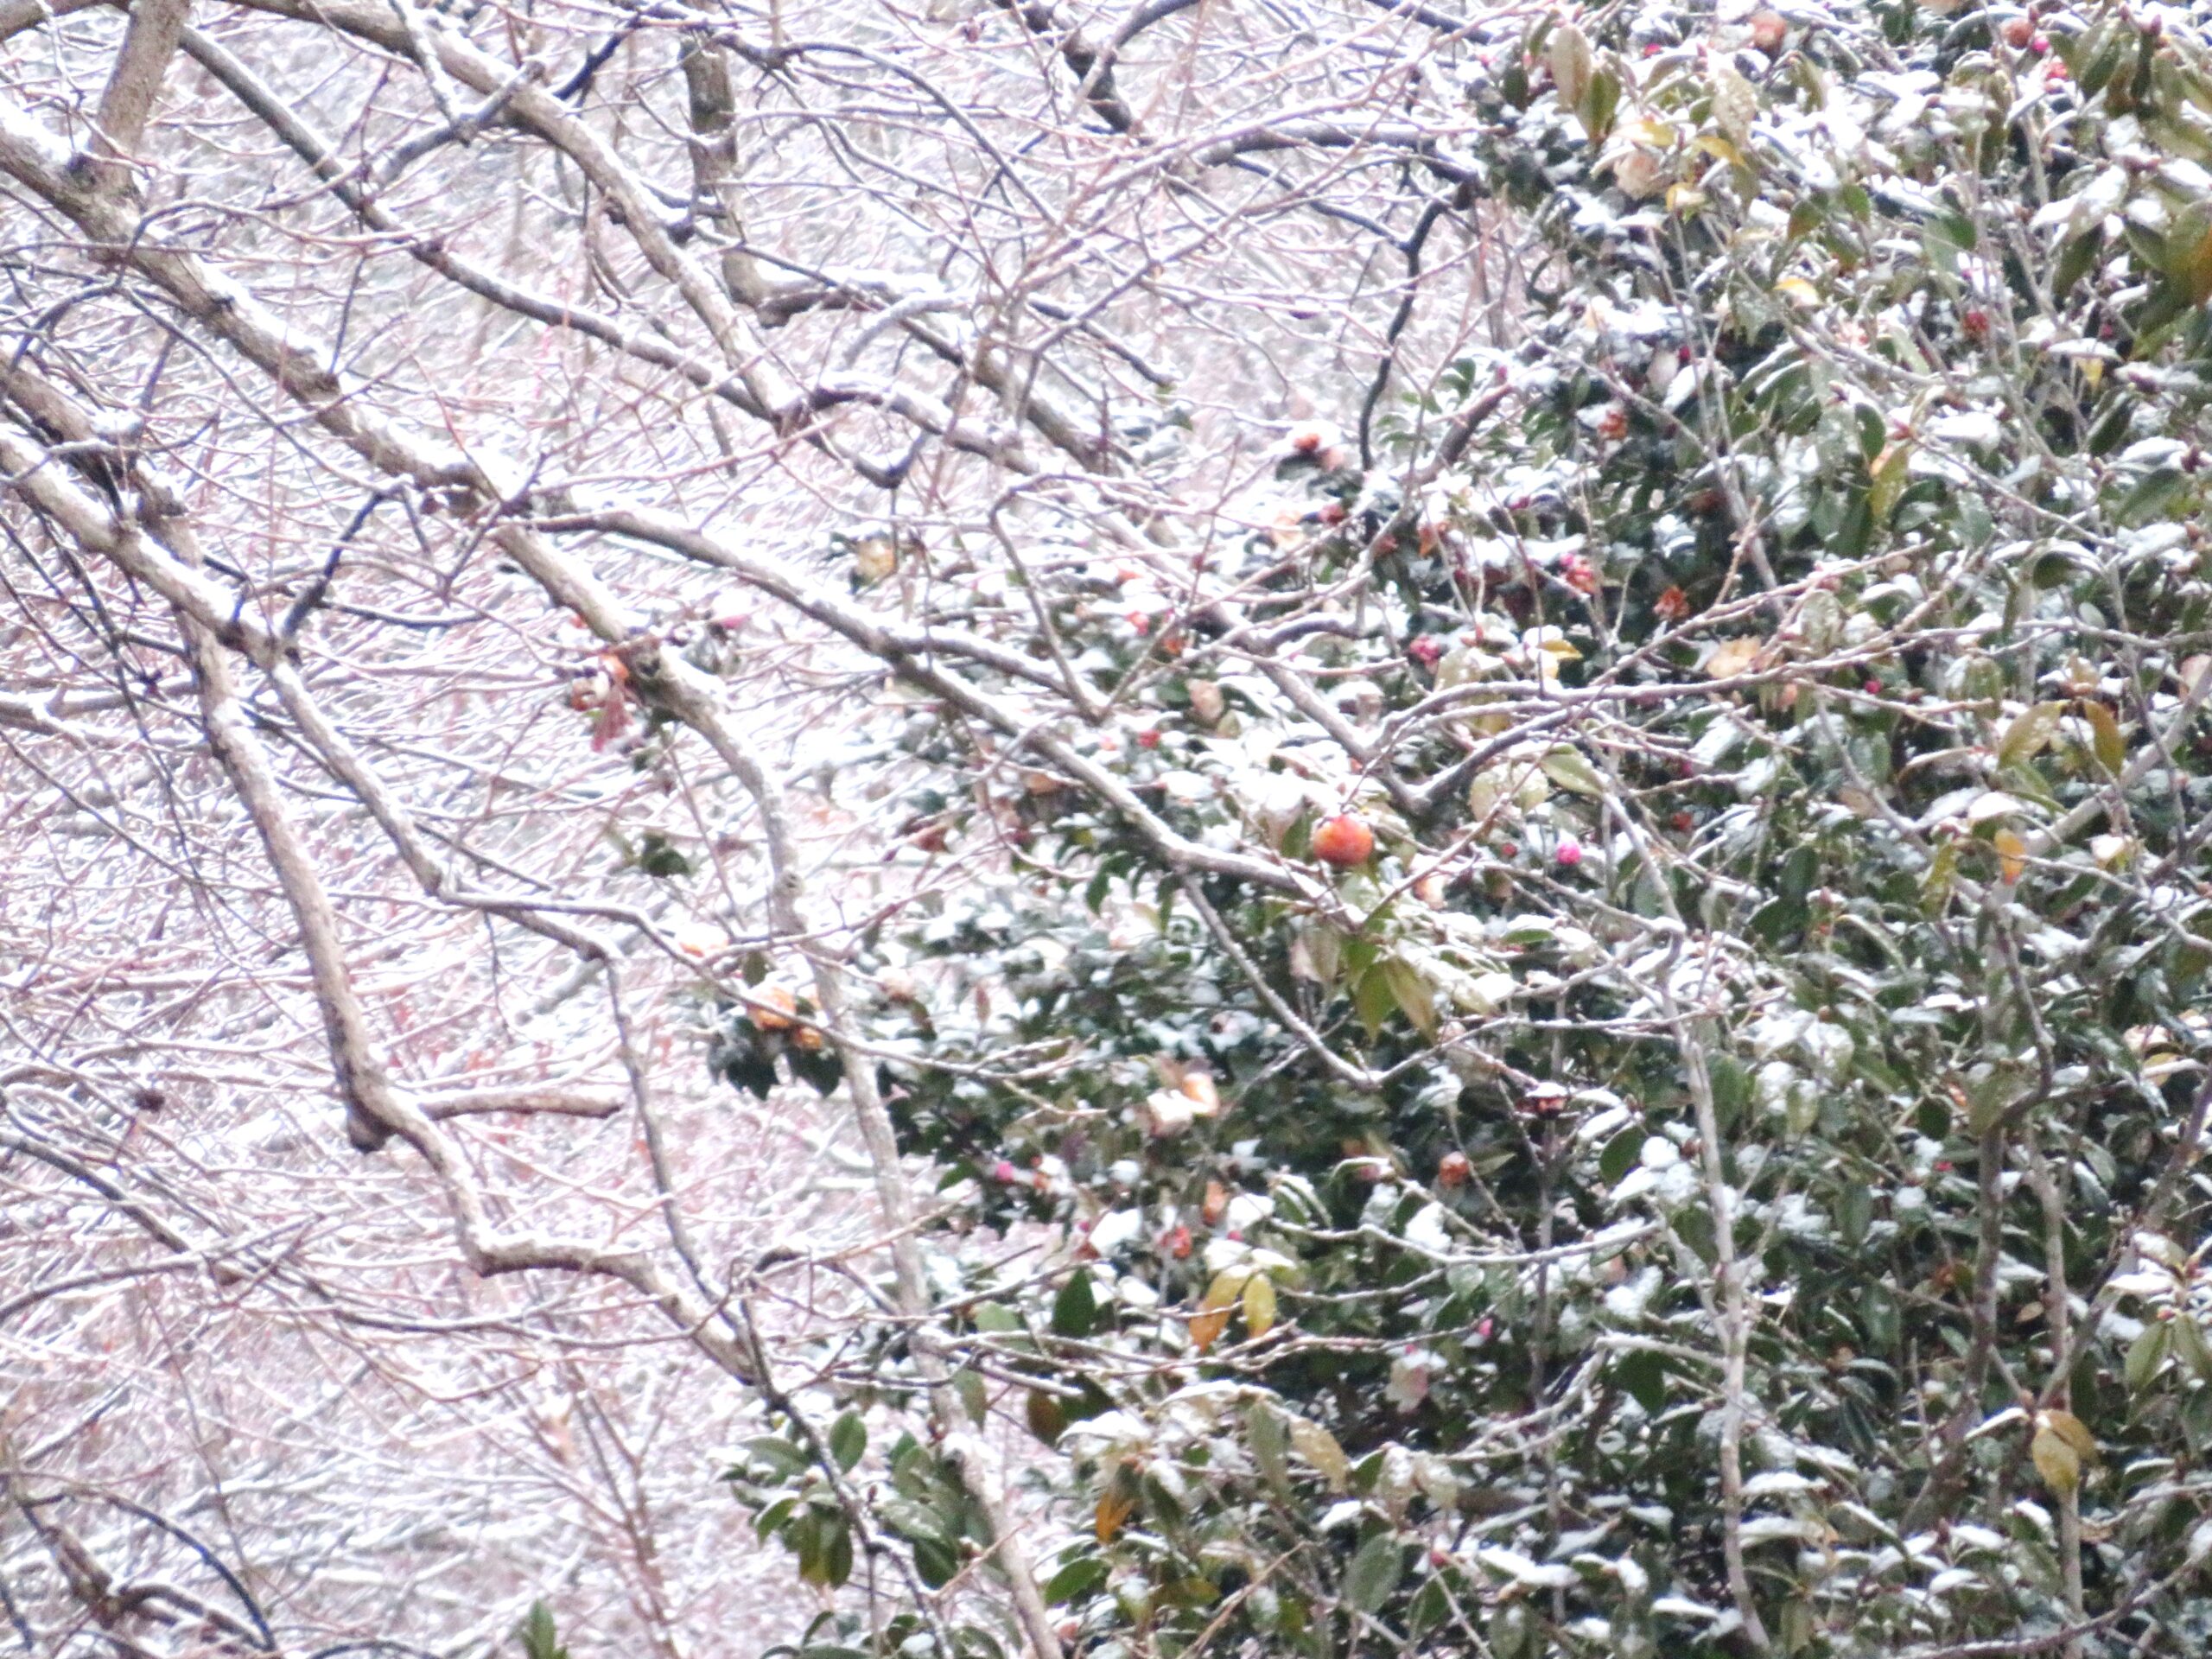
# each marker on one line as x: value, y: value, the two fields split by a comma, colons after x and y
x: 1569, y: 854
x: 1004, y: 1171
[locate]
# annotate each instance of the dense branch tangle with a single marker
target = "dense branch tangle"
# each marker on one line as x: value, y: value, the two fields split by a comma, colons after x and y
x: 339, y: 343
x: 549, y: 547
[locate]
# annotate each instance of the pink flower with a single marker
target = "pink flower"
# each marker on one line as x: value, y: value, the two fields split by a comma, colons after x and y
x: 1569, y: 854
x: 1004, y: 1171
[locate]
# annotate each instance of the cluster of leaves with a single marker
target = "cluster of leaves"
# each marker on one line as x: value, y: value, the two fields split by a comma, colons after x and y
x: 1749, y: 1097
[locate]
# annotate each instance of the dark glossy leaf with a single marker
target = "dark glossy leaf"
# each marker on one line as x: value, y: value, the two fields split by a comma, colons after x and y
x: 1374, y: 1571
x: 1075, y: 1310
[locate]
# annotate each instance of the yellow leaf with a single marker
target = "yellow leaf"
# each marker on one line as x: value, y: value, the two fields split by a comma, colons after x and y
x: 1733, y: 657
x: 1212, y: 1317
x: 2012, y: 855
x: 1942, y: 875
x: 1114, y: 1507
x: 2193, y: 264
x: 1259, y: 1305
x: 2104, y: 736
x: 2058, y: 1464
x: 2027, y: 733
x: 1893, y: 471
x: 1799, y: 292
x: 1320, y: 1449
x: 2063, y: 1443
x: 1721, y: 150
x: 1228, y: 1285
x: 2072, y: 1430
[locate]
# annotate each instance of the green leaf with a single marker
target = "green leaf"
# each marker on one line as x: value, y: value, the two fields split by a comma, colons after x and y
x: 743, y: 1066
x: 1856, y: 531
x: 1078, y: 1578
x: 1431, y: 1605
x: 1732, y: 1088
x: 538, y: 1636
x: 1075, y: 1310
x: 2153, y: 496
x: 777, y: 1455
x: 1620, y: 1155
x: 2190, y: 1347
x: 1955, y: 228
x: 912, y: 1520
x: 936, y: 1563
x: 1373, y: 1572
x: 847, y: 1440
x: 1642, y: 1375
x: 772, y: 1519
x: 820, y: 1067
x: 1514, y: 1632
x: 1598, y: 104
x: 825, y: 1554
x: 657, y: 857
x: 2074, y: 261
x: 1570, y: 769
x: 1374, y: 999
x: 1991, y: 1091
x: 1854, y: 1213
x: 2147, y: 1355
x: 1412, y: 994
x: 1270, y: 1443
x: 969, y: 1385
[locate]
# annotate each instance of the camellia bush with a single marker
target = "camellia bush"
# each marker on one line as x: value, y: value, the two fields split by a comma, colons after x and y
x: 1149, y: 829
x: 1589, y: 1038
